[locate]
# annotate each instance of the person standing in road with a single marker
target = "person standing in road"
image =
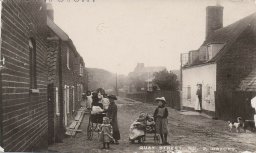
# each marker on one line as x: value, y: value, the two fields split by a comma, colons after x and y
x: 112, y: 115
x: 253, y: 104
x: 88, y: 100
x: 199, y: 95
x: 160, y: 116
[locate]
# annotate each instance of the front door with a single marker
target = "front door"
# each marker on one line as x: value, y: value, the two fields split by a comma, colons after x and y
x: 50, y: 96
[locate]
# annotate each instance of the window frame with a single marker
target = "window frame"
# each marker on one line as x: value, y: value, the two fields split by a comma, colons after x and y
x: 57, y: 101
x: 68, y: 58
x: 188, y: 93
x: 33, y: 65
x: 81, y: 72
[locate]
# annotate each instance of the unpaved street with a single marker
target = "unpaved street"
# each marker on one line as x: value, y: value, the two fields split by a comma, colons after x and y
x: 189, y: 133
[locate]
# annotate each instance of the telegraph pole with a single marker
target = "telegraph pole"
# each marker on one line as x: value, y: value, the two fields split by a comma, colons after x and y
x: 116, y: 85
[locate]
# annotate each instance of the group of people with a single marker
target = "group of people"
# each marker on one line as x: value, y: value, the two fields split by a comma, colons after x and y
x: 109, y: 130
x: 99, y: 102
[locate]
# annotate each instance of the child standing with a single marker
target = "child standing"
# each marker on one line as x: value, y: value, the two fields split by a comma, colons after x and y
x: 106, y: 132
x: 160, y: 116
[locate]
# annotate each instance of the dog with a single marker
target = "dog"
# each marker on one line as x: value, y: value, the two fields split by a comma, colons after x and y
x: 242, y: 124
x: 237, y: 125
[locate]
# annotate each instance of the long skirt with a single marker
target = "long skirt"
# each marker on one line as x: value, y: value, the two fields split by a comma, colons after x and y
x: 197, y: 104
x: 161, y: 125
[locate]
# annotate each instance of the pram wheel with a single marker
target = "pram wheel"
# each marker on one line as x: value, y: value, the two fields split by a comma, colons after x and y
x: 132, y: 141
x: 89, y: 132
x: 141, y: 140
x: 157, y: 139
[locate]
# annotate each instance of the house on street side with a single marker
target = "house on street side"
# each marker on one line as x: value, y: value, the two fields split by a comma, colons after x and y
x: 66, y: 79
x: 223, y: 67
x: 23, y: 76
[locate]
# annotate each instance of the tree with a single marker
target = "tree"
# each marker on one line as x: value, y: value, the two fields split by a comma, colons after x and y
x: 166, y: 80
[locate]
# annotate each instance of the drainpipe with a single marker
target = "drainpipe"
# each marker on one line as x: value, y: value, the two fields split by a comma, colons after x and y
x: 181, y: 82
x: 61, y: 107
x: 1, y: 66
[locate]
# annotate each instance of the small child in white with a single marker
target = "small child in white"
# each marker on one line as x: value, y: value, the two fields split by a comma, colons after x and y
x: 106, y: 132
x: 1, y: 149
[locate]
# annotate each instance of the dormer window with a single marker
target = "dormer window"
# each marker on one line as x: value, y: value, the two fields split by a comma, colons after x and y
x: 213, y: 49
x: 184, y: 59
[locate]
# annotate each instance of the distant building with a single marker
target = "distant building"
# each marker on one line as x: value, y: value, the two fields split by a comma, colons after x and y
x: 67, y: 80
x: 224, y: 67
x: 144, y: 76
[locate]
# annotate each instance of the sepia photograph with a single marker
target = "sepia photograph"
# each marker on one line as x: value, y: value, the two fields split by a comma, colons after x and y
x: 128, y: 76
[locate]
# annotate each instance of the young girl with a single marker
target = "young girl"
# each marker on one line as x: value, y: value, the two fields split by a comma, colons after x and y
x: 106, y: 132
x: 160, y: 116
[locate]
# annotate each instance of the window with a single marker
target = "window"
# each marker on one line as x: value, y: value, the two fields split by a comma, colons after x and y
x: 213, y: 49
x: 32, y: 62
x: 79, y: 92
x: 67, y: 99
x: 81, y: 70
x: 189, y: 93
x: 184, y: 59
x: 209, y: 51
x: 57, y: 101
x: 68, y: 66
x: 208, y: 90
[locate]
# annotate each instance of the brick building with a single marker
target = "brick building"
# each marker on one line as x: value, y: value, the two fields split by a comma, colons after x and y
x: 223, y: 66
x: 66, y: 77
x: 23, y: 75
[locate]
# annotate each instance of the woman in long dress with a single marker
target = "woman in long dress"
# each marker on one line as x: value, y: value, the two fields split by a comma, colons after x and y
x: 112, y: 115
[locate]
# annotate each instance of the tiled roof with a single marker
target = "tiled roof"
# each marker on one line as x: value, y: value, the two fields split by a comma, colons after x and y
x: 249, y: 83
x: 57, y: 30
x: 61, y: 34
x: 229, y: 34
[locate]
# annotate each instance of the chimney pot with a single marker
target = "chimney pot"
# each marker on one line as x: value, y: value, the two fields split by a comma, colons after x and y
x: 214, y: 19
x: 50, y: 11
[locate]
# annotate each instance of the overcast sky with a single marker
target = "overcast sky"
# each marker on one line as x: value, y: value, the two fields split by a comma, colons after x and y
x: 117, y: 34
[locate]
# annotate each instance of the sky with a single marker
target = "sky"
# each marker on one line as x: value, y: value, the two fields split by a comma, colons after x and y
x: 115, y: 35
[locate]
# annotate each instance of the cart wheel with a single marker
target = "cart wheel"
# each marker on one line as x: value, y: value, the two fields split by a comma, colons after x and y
x: 141, y: 140
x: 157, y: 139
x: 132, y: 141
x: 89, y: 132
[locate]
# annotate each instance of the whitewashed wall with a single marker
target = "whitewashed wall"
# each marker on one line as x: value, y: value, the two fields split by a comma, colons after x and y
x: 205, y: 75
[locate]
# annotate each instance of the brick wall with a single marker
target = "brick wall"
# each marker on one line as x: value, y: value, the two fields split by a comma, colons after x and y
x: 24, y: 113
x: 54, y: 127
x: 236, y: 64
x: 71, y: 76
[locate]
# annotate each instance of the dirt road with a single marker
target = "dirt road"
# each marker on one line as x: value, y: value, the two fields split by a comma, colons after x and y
x: 187, y: 133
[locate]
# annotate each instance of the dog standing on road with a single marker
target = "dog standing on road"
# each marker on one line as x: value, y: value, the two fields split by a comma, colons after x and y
x: 242, y: 124
x: 237, y: 125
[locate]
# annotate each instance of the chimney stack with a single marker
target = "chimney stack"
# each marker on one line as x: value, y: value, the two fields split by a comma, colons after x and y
x: 214, y: 19
x: 50, y: 12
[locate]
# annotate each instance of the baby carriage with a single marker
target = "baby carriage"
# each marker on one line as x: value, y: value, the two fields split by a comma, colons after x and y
x: 95, y: 120
x: 142, y: 128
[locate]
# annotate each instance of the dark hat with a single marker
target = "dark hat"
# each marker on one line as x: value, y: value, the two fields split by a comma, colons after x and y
x: 112, y: 97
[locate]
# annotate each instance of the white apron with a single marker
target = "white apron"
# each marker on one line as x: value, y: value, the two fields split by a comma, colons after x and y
x: 197, y: 104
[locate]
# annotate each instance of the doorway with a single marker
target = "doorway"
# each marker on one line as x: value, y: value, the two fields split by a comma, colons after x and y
x: 50, y: 97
